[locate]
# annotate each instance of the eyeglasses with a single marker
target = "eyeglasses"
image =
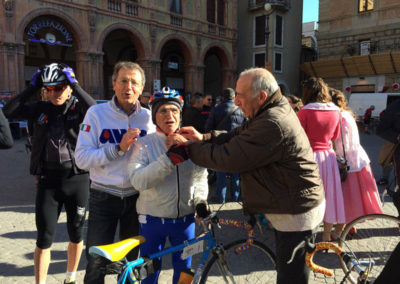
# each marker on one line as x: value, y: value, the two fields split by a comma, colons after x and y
x: 166, y: 111
x: 55, y: 88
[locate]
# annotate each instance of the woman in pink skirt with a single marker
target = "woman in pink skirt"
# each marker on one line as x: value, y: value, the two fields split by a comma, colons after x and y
x: 320, y: 120
x: 360, y: 193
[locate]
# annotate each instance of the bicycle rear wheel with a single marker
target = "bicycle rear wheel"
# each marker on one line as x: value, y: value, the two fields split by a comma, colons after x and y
x: 254, y: 265
x: 377, y: 236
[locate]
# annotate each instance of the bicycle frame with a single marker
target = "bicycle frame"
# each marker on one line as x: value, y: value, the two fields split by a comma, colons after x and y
x: 210, y: 244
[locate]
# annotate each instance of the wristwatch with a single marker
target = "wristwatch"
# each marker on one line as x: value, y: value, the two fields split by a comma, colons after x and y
x: 119, y: 151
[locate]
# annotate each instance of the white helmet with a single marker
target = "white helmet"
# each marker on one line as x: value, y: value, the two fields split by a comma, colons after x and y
x: 52, y: 75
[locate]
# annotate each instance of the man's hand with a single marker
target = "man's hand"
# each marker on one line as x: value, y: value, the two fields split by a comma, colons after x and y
x: 69, y: 73
x: 128, y: 139
x: 37, y: 79
x: 174, y: 139
x: 190, y: 133
x: 178, y: 154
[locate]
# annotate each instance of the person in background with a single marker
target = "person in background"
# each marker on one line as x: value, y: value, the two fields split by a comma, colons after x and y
x: 61, y: 182
x: 107, y: 135
x: 218, y: 100
x: 170, y: 188
x: 192, y: 116
x: 207, y: 103
x: 320, y: 120
x: 295, y: 102
x: 145, y: 99
x: 226, y: 116
x: 386, y: 170
x: 360, y: 193
x: 6, y: 139
x: 267, y: 149
x: 389, y: 129
x: 367, y: 118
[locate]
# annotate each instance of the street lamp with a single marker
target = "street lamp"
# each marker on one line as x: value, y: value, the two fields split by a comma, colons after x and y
x: 268, y: 10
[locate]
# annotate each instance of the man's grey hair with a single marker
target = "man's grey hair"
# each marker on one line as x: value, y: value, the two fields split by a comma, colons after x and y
x: 130, y: 66
x: 262, y: 80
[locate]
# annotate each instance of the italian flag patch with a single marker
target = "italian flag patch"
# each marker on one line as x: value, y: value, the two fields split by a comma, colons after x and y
x: 85, y: 127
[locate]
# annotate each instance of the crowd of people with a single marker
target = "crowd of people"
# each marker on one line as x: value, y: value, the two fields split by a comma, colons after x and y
x: 139, y: 163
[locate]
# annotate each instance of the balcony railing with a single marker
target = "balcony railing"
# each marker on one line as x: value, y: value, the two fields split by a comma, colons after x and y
x: 129, y: 7
x: 176, y: 20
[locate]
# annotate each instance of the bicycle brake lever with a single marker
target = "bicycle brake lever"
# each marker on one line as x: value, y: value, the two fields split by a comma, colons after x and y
x: 299, y: 246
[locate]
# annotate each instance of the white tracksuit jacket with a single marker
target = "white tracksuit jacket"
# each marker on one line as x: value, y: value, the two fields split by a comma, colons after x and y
x: 101, y: 131
x: 166, y: 190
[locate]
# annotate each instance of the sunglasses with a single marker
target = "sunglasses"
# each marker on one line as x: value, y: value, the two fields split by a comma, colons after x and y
x: 55, y: 88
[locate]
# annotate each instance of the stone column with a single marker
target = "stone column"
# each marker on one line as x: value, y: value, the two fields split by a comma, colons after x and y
x: 199, y: 81
x: 89, y: 71
x: 12, y: 67
x: 228, y: 78
x: 190, y: 78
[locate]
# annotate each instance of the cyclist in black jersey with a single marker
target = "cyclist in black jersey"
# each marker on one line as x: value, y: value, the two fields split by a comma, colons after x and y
x: 61, y: 183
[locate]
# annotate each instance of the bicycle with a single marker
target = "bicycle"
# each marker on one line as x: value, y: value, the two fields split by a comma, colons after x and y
x: 377, y: 236
x: 364, y: 276
x: 241, y: 261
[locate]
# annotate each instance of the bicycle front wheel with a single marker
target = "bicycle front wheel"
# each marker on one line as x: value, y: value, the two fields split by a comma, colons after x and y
x: 254, y: 265
x: 376, y: 237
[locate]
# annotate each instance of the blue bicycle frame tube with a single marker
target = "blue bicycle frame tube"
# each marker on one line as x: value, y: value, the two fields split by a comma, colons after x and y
x: 128, y: 268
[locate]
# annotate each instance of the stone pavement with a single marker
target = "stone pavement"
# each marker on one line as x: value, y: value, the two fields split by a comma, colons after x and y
x: 18, y: 231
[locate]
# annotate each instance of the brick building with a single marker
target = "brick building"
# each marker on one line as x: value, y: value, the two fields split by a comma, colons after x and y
x: 359, y: 45
x: 188, y: 45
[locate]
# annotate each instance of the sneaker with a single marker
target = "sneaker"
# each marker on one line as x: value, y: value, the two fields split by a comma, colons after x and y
x: 69, y: 281
x: 383, y: 181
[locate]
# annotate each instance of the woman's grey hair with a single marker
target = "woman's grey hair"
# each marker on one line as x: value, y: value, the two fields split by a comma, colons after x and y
x: 130, y: 66
x: 262, y: 80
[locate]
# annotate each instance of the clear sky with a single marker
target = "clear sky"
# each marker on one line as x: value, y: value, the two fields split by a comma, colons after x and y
x: 310, y: 10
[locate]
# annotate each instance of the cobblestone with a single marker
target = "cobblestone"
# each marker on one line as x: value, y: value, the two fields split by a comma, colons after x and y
x: 18, y: 231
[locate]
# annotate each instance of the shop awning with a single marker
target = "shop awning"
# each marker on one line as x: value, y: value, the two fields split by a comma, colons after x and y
x: 355, y: 66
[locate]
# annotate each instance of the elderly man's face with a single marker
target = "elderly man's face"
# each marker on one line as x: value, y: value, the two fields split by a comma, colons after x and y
x: 168, y: 118
x: 244, y: 99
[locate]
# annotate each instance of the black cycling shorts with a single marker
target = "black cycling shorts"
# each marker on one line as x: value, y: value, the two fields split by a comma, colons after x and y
x: 56, y: 189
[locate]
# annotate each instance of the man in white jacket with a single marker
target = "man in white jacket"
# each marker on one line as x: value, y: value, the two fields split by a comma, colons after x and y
x: 107, y: 135
x: 171, y: 187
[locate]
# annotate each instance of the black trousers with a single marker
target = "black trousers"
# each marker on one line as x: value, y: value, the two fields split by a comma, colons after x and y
x: 297, y: 271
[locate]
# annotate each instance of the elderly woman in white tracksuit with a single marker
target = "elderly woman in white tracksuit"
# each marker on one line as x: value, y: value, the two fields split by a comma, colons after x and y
x: 171, y: 188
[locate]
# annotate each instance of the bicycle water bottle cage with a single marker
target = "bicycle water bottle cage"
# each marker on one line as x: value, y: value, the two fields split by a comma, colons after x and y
x: 147, y: 268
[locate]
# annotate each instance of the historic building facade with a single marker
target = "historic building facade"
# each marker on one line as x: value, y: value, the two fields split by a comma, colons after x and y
x: 271, y: 38
x: 188, y: 45
x: 358, y: 45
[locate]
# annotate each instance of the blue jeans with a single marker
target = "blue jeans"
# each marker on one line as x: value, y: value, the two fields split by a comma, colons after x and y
x: 156, y: 230
x: 105, y: 212
x: 222, y: 183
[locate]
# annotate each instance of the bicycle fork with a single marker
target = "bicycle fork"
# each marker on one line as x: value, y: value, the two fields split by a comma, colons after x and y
x: 223, y: 266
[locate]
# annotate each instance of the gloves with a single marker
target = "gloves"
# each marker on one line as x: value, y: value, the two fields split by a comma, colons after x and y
x: 201, y: 210
x: 37, y: 79
x: 178, y: 153
x: 69, y: 73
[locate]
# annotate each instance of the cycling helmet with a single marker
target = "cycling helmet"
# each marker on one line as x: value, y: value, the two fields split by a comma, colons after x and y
x: 52, y: 75
x: 166, y: 95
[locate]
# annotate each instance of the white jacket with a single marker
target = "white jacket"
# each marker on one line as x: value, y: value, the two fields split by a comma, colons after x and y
x: 166, y: 190
x: 356, y: 156
x: 101, y: 131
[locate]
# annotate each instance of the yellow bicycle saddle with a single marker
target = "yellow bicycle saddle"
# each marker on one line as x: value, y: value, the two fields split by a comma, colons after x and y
x: 118, y: 250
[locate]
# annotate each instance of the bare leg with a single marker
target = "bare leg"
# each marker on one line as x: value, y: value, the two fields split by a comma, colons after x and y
x: 338, y: 231
x: 41, y: 260
x: 326, y: 235
x: 74, y: 255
